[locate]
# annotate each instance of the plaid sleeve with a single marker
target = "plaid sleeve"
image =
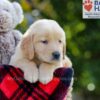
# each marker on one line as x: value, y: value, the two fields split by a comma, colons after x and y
x: 65, y: 76
x: 14, y: 87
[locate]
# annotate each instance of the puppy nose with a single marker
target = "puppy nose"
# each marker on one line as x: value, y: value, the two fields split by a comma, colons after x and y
x: 56, y: 55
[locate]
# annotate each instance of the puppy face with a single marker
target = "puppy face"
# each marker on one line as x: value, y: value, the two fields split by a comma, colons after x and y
x: 47, y: 41
x: 49, y: 47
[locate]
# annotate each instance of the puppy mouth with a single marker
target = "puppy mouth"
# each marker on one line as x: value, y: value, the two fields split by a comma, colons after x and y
x: 43, y: 60
x: 52, y: 61
x: 48, y: 61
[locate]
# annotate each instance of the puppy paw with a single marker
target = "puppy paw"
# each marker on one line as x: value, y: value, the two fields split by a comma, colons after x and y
x: 31, y: 75
x: 45, y: 78
x: 46, y: 73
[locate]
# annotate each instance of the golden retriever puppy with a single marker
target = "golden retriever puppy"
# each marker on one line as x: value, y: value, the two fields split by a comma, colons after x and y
x: 41, y: 51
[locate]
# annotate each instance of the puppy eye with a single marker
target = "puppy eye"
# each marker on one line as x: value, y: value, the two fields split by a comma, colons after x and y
x: 60, y: 41
x: 45, y: 42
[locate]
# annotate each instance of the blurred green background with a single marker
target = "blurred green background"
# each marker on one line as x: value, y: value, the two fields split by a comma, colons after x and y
x: 83, y: 40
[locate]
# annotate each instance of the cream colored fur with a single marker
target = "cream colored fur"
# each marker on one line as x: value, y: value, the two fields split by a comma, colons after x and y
x: 35, y: 57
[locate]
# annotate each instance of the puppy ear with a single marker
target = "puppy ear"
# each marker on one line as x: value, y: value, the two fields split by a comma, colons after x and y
x: 27, y: 46
x: 67, y: 62
x: 64, y: 50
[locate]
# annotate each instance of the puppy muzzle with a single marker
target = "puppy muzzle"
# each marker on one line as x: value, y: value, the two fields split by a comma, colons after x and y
x: 56, y: 55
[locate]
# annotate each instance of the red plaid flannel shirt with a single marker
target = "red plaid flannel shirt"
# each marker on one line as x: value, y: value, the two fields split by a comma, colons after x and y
x: 14, y: 87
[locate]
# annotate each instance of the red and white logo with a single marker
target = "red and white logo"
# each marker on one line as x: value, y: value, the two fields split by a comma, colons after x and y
x: 88, y: 4
x: 91, y: 9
